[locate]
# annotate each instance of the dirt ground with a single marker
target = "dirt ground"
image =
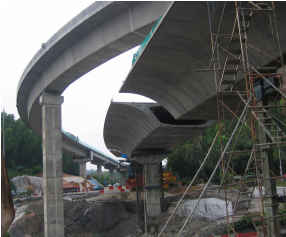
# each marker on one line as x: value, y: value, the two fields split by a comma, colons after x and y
x: 108, y: 215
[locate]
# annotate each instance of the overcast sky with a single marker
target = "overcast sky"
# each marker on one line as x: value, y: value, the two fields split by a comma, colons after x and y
x: 25, y: 25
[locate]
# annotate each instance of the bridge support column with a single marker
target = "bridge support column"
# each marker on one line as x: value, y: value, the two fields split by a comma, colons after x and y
x: 152, y: 186
x: 99, y: 171
x: 82, y: 169
x: 82, y: 165
x: 111, y: 174
x: 52, y: 165
x: 123, y: 180
x: 99, y: 165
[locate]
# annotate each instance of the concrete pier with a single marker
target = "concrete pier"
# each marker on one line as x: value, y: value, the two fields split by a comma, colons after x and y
x: 52, y: 165
x: 99, y: 170
x: 111, y: 174
x: 152, y: 186
x: 153, y: 190
x: 82, y: 165
x: 123, y: 180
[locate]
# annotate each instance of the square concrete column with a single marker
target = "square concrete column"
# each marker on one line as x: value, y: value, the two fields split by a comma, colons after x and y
x: 82, y: 169
x: 99, y: 171
x: 152, y: 186
x: 52, y: 165
x: 111, y: 174
x: 153, y: 190
x: 82, y: 165
x: 123, y: 181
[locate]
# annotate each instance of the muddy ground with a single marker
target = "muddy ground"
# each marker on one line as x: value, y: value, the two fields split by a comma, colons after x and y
x: 116, y: 215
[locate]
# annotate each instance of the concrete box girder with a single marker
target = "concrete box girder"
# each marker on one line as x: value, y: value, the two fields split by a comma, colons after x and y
x: 133, y: 126
x: 165, y: 70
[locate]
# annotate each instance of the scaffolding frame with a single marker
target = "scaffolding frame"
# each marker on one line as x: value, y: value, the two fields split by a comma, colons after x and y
x: 236, y: 57
x: 266, y: 135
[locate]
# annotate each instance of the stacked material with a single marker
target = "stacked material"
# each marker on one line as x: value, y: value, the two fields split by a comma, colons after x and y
x: 24, y: 182
x: 36, y: 183
x: 85, y: 185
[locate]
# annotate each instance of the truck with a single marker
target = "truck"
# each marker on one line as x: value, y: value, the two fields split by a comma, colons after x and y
x: 131, y: 183
x: 71, y: 187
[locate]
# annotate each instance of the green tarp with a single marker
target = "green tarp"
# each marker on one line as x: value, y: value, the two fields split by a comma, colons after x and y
x: 143, y: 44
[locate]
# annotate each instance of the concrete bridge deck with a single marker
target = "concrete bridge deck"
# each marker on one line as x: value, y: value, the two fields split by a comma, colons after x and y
x: 146, y: 126
x: 101, y: 32
x: 165, y: 70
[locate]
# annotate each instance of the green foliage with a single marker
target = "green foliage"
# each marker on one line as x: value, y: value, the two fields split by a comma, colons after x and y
x: 69, y: 166
x: 185, y: 159
x: 106, y: 175
x: 23, y: 150
x: 247, y: 222
x: 187, y: 181
x: 172, y: 184
x: 12, y: 185
x: 29, y: 192
x: 283, y: 212
x: 7, y: 234
x: 242, y: 223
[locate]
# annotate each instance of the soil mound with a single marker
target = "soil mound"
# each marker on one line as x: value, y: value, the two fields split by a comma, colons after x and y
x: 114, y: 217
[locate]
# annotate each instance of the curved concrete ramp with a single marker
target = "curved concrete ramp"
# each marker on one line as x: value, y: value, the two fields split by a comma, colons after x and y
x: 165, y: 71
x: 101, y: 32
x: 133, y: 127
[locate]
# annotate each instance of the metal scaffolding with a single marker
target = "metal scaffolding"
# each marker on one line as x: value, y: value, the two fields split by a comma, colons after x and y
x: 247, y: 90
x: 232, y: 55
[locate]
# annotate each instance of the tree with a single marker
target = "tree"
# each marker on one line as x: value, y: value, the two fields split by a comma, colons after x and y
x: 182, y: 160
x: 23, y: 150
x: 12, y: 185
x: 69, y: 166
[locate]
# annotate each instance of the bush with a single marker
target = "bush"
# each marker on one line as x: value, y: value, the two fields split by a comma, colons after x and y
x: 29, y: 192
x: 246, y: 222
x: 172, y: 184
x: 185, y: 181
x: 37, y: 169
x: 216, y: 179
x: 20, y: 169
x: 7, y: 234
x: 12, y: 173
x: 283, y: 212
x: 12, y: 185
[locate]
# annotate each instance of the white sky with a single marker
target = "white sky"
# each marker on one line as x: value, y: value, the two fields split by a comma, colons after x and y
x: 25, y: 25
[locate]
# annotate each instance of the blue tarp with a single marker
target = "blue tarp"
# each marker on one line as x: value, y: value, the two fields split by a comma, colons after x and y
x: 97, y: 186
x: 124, y: 155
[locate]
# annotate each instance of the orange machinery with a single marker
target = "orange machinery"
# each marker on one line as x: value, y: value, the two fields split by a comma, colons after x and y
x: 71, y: 187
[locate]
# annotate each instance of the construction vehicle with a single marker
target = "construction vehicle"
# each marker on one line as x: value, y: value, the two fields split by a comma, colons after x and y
x: 168, y: 178
x: 131, y: 183
x: 71, y: 187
